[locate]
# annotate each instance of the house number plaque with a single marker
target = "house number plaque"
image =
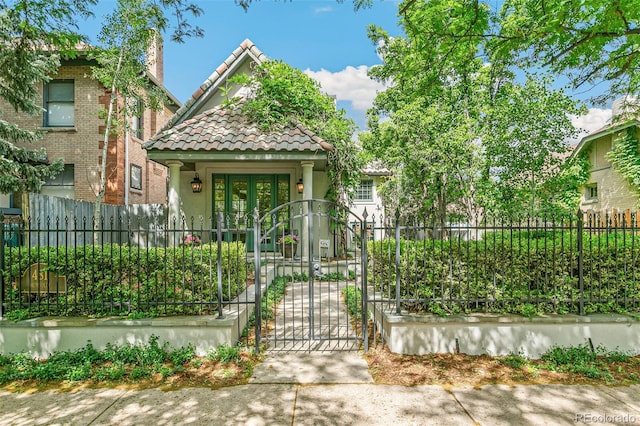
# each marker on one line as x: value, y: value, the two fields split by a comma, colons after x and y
x: 36, y: 279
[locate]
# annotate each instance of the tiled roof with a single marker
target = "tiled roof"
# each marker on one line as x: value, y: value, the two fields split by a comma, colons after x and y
x: 376, y: 168
x: 246, y: 46
x: 227, y: 129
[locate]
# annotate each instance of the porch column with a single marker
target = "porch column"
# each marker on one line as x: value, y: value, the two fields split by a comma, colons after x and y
x: 174, y: 197
x: 307, y: 194
x: 307, y: 180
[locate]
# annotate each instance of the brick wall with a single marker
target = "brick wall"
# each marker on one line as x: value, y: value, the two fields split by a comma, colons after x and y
x: 82, y: 144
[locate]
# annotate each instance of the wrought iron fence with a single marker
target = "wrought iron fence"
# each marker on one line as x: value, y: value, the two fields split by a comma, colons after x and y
x: 585, y: 263
x: 579, y: 264
x: 124, y: 267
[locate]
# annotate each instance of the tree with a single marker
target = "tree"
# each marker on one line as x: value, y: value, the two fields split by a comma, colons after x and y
x: 33, y: 37
x: 282, y: 95
x: 467, y: 135
x: 526, y: 144
x: 357, y: 4
x: 125, y: 39
x: 589, y: 41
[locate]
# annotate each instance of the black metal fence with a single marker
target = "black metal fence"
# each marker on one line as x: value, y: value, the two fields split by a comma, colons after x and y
x: 580, y: 264
x: 125, y: 267
x: 586, y: 263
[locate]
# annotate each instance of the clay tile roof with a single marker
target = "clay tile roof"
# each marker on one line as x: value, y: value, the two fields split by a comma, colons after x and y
x: 376, y: 168
x: 246, y: 46
x: 225, y: 129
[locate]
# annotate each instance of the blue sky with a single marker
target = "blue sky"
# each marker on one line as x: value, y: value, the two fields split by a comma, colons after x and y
x: 324, y: 38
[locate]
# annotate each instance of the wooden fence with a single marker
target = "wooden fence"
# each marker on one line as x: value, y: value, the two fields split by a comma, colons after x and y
x: 55, y: 221
x: 625, y: 219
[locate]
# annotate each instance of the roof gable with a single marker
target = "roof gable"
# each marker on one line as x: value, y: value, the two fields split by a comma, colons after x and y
x: 205, y: 124
x: 204, y: 97
x: 603, y: 131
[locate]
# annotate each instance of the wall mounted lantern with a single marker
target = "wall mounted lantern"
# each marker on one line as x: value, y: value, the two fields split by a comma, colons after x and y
x: 196, y: 184
x: 300, y: 186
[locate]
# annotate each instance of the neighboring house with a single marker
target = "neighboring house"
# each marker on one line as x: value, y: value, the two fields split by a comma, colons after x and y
x: 239, y: 166
x: 367, y: 197
x: 74, y: 131
x: 607, y: 190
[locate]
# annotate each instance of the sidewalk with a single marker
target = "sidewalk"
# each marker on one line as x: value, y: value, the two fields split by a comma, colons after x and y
x: 330, y: 404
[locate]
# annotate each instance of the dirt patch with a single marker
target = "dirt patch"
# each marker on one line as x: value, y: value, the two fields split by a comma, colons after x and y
x: 451, y: 370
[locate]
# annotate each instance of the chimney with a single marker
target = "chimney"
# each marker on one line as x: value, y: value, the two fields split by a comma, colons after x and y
x: 625, y: 106
x: 155, y: 56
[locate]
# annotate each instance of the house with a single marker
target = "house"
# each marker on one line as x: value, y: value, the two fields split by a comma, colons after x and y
x: 607, y: 189
x: 367, y: 197
x: 221, y: 164
x: 72, y: 102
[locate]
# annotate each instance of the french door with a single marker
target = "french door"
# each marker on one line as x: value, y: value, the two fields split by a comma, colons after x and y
x: 236, y: 196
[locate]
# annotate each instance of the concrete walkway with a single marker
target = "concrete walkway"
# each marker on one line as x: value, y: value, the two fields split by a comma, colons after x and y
x: 336, y: 404
x: 304, y: 354
x: 312, y: 321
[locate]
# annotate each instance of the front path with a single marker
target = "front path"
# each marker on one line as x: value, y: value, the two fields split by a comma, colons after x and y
x: 313, y: 342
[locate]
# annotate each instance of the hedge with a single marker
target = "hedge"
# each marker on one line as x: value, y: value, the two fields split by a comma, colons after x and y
x: 512, y: 272
x: 121, y: 280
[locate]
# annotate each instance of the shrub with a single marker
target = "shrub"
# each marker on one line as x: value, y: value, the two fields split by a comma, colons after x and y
x: 122, y: 280
x: 353, y: 300
x: 525, y: 272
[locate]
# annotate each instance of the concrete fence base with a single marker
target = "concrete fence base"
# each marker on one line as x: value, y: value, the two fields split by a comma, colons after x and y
x: 490, y: 334
x: 42, y: 336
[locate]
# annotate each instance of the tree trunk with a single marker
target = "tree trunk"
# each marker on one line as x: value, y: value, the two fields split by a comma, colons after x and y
x: 105, y: 150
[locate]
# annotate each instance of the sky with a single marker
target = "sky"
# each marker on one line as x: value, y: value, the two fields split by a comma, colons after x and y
x: 324, y: 38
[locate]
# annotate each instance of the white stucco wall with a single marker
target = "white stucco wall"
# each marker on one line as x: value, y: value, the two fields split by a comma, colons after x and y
x: 374, y: 207
x: 4, y: 200
x: 614, y: 192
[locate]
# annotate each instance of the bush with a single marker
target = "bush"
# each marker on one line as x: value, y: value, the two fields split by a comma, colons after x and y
x: 353, y: 300
x: 121, y: 280
x: 526, y: 272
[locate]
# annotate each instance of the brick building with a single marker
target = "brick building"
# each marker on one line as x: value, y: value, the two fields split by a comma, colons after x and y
x: 72, y: 102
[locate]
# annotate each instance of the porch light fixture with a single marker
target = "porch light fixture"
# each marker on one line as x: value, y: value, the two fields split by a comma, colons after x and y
x: 300, y: 186
x: 196, y: 184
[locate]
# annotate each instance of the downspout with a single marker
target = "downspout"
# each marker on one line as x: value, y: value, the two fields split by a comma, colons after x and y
x: 127, y: 171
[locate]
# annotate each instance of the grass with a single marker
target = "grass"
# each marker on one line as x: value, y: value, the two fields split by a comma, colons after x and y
x: 151, y: 363
x: 584, y: 360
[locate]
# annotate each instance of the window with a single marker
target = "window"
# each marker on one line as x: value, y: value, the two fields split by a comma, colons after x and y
x: 136, y: 119
x: 364, y: 192
x: 136, y: 177
x: 59, y: 104
x: 62, y: 185
x: 591, y: 192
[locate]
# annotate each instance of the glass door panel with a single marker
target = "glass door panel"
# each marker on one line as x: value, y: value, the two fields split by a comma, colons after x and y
x: 239, y: 198
x: 264, y: 203
x: 236, y: 196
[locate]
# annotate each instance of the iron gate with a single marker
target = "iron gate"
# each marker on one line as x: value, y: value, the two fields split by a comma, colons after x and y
x: 311, y: 292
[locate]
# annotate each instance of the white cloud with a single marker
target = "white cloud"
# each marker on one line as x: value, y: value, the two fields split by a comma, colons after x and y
x: 351, y: 84
x: 324, y: 9
x: 592, y: 120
